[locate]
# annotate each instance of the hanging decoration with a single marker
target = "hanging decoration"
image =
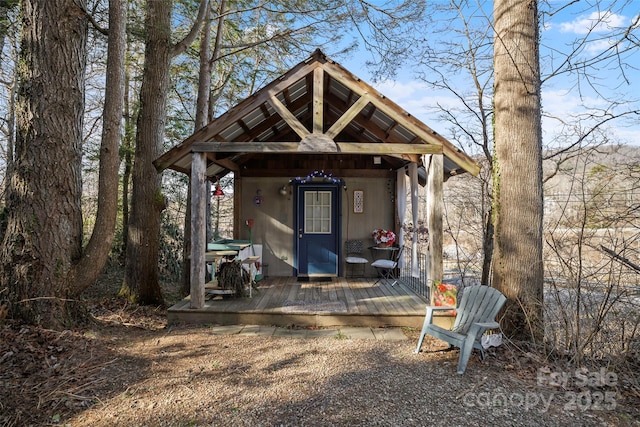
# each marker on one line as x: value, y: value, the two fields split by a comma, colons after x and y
x: 218, y: 191
x: 258, y: 199
x: 317, y: 176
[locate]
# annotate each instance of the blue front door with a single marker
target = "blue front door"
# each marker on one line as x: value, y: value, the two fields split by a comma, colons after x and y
x: 317, y: 228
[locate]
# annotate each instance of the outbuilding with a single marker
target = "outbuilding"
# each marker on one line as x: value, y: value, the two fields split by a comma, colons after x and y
x: 318, y: 157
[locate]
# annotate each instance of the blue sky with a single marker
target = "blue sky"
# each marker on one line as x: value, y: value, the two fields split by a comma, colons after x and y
x: 563, y: 97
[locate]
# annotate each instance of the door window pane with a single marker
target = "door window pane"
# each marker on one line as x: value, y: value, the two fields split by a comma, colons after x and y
x: 317, y: 210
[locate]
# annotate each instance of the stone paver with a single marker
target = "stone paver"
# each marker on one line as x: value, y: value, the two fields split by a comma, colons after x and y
x: 385, y: 334
x: 358, y: 333
x: 258, y: 330
x: 389, y: 334
x: 226, y: 329
x: 291, y: 333
x: 322, y: 333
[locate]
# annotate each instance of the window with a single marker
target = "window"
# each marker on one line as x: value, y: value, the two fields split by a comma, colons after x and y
x: 317, y: 212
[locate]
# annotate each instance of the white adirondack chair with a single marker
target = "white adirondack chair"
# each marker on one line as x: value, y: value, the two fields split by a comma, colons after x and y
x: 476, y: 313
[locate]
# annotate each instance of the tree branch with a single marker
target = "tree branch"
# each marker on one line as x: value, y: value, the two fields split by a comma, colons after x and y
x: 183, y: 44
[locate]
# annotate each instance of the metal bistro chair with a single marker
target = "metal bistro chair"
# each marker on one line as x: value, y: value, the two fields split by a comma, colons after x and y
x: 387, y: 267
x: 353, y: 250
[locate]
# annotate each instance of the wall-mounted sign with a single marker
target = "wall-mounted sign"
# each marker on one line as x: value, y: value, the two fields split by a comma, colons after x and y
x: 358, y: 201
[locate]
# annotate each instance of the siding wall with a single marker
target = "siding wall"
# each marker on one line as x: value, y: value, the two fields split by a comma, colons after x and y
x: 273, y: 219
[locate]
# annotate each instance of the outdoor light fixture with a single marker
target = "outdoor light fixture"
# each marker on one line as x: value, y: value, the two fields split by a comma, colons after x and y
x: 377, y: 160
x: 283, y: 190
x: 218, y: 191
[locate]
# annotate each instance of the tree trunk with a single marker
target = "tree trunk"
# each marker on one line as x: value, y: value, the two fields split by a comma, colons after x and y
x: 44, y: 225
x: 487, y: 248
x: 128, y: 141
x: 147, y: 202
x: 9, y: 135
x: 143, y: 237
x: 97, y: 251
x: 9, y: 111
x: 518, y: 199
x: 202, y: 108
x: 5, y: 7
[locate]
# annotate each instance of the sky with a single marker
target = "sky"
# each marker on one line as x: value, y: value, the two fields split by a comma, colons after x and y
x: 562, y: 96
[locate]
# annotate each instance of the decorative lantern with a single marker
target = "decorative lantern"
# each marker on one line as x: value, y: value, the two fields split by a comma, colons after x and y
x: 218, y: 191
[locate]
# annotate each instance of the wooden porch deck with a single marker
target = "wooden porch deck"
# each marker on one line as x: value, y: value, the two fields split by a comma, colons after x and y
x: 285, y: 301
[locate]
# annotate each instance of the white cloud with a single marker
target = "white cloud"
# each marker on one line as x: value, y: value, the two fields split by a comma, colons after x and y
x: 598, y: 46
x: 418, y: 99
x: 564, y: 106
x: 399, y: 91
x: 599, y: 21
x: 558, y: 105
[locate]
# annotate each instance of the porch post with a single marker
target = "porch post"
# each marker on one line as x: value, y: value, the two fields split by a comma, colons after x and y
x: 198, y: 227
x: 435, y: 202
x: 413, y: 175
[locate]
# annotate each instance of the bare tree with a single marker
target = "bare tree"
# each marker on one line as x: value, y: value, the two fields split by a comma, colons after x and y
x: 606, y: 43
x: 201, y: 119
x: 591, y: 257
x: 466, y: 52
x: 518, y: 199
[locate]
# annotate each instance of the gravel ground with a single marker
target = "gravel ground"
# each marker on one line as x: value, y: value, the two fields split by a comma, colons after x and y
x: 191, y: 377
x: 133, y: 370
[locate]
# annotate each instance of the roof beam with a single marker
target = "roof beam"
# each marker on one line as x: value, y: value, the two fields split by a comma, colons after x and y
x: 271, y: 120
x: 360, y: 120
x: 293, y: 147
x: 249, y: 103
x: 318, y: 100
x: 348, y: 116
x: 227, y: 164
x: 391, y: 110
x: 288, y: 117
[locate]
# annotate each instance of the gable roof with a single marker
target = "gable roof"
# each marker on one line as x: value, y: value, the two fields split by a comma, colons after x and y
x: 317, y: 107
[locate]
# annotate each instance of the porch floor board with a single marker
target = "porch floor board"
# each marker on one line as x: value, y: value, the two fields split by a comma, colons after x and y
x: 285, y: 301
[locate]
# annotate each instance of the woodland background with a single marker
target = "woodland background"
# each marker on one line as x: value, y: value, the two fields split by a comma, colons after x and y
x: 177, y: 74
